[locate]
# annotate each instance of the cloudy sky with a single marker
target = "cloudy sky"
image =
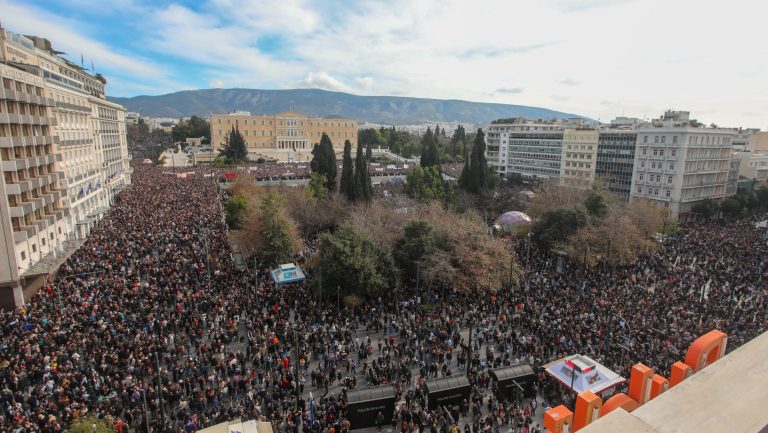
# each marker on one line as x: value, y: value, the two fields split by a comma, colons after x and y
x: 598, y: 58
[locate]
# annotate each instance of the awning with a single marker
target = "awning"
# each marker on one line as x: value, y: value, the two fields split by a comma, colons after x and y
x: 287, y: 273
x: 581, y: 373
x: 51, y: 262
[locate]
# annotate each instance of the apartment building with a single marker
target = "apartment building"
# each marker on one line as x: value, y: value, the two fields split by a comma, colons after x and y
x: 616, y: 160
x: 531, y: 149
x: 90, y: 130
x: 677, y: 166
x: 752, y: 165
x: 579, y: 156
x: 287, y: 136
x: 32, y: 219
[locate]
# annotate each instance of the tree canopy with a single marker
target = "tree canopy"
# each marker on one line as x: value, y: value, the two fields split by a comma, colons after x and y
x: 363, y: 187
x: 347, y: 184
x: 425, y: 184
x: 475, y: 177
x: 324, y: 161
x: 234, y: 149
x: 430, y: 156
x: 354, y: 263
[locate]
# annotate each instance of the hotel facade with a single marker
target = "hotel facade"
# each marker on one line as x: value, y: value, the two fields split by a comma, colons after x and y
x: 287, y: 136
x: 64, y: 155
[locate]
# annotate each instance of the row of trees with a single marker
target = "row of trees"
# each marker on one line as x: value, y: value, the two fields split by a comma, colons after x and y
x: 593, y: 226
x: 194, y: 127
x: 433, y: 249
x: 355, y: 180
x: 734, y: 206
x: 447, y: 149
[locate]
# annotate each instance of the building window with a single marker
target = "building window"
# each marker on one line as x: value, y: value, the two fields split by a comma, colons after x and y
x: 655, y: 152
x: 641, y: 176
x: 639, y: 189
x: 668, y: 193
x: 644, y: 149
x: 674, y: 152
x: 34, y: 248
x: 23, y: 255
x: 661, y: 152
x: 669, y: 179
x: 674, y: 139
x: 671, y: 165
x: 656, y: 139
x: 663, y: 139
x: 645, y: 139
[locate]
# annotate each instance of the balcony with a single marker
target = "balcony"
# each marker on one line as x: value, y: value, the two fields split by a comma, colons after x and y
x: 6, y: 142
x: 22, y: 97
x: 14, y: 165
x: 9, y: 118
x: 22, y: 209
x: 7, y: 94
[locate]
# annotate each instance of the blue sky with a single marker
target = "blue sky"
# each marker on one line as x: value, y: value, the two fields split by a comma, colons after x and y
x: 598, y: 58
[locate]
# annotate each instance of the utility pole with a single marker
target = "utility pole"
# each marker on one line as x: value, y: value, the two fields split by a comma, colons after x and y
x: 159, y: 386
x: 146, y: 411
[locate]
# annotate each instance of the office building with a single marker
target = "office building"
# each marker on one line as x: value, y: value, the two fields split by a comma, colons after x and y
x: 579, y: 156
x: 677, y: 165
x: 616, y: 160
x: 531, y: 149
x: 32, y: 219
x: 287, y: 136
x: 752, y: 166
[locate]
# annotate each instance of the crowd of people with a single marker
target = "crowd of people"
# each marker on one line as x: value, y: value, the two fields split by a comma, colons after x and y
x: 151, y: 326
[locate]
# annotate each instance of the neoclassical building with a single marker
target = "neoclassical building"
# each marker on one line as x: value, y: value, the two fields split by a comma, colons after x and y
x: 287, y: 136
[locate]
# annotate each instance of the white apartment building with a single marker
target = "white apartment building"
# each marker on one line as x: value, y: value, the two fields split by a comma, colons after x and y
x: 531, y: 149
x: 677, y: 166
x: 579, y: 156
x: 32, y: 219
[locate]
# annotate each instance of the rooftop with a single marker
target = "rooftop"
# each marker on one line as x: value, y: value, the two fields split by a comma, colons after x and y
x: 731, y: 392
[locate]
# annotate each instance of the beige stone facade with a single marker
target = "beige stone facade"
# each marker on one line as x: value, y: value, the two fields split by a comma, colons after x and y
x: 287, y: 136
x: 32, y: 218
x: 579, y: 156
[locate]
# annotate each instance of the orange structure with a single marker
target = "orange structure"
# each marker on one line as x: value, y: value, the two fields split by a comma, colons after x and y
x: 558, y: 420
x: 644, y: 386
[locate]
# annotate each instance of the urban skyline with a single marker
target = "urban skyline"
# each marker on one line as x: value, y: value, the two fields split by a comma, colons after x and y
x: 576, y: 56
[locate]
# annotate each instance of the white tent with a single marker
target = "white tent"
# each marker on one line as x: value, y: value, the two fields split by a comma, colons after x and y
x: 581, y: 373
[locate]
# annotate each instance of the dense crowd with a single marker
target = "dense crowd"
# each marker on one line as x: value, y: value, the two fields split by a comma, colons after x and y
x: 153, y: 298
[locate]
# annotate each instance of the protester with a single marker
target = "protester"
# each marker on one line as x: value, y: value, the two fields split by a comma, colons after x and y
x: 153, y: 298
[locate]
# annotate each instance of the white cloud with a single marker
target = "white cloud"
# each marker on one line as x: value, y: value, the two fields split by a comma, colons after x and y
x: 64, y: 37
x: 510, y: 90
x: 364, y: 82
x: 602, y: 50
x: 216, y: 84
x: 321, y: 80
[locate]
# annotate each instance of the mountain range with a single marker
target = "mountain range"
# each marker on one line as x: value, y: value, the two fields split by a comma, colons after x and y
x: 388, y: 110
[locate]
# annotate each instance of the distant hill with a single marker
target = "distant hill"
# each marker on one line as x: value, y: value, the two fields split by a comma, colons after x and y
x: 387, y: 110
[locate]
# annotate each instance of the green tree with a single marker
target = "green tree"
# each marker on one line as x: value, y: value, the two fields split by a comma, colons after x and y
x: 354, y: 263
x: 459, y: 136
x: 236, y: 207
x: 234, y: 149
x: 429, y: 152
x: 706, y: 208
x: 363, y: 187
x: 324, y: 161
x: 347, y: 184
x: 276, y: 241
x: 316, y: 187
x: 596, y: 204
x: 411, y: 250
x: 425, y: 184
x: 557, y: 225
x: 761, y: 195
x: 90, y: 424
x: 475, y: 177
x: 731, y: 207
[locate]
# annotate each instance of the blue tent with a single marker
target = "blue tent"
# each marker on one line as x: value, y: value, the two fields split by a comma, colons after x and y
x: 287, y: 273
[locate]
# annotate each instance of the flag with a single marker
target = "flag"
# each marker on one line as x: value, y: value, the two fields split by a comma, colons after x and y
x: 311, y: 408
x: 82, y: 62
